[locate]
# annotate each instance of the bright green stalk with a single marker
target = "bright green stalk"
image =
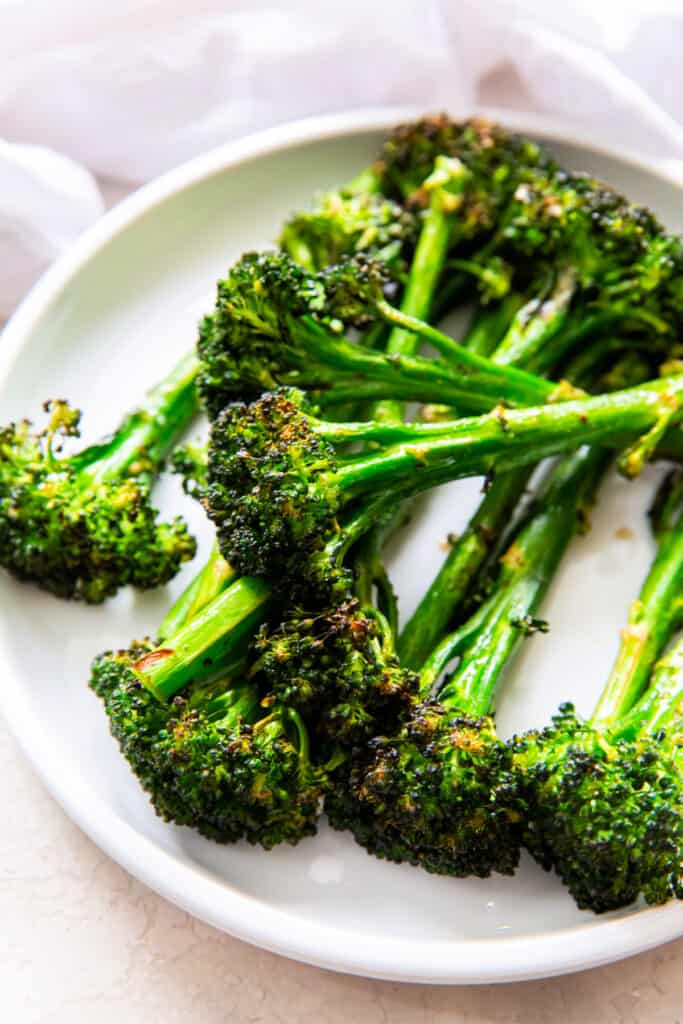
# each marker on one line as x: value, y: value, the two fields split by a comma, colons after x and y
x: 445, y: 185
x: 653, y: 618
x: 662, y: 703
x: 537, y: 322
x: 149, y: 433
x: 466, y: 556
x: 490, y: 324
x: 421, y: 455
x: 366, y: 181
x: 217, y: 635
x: 214, y: 576
x: 579, y: 326
x: 521, y: 385
x: 527, y: 569
x: 465, y: 380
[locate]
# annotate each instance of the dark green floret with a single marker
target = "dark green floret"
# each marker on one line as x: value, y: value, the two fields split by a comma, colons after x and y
x: 83, y: 525
x: 342, y: 225
x: 214, y: 758
x: 441, y: 794
x: 277, y: 325
x: 607, y: 813
x: 337, y: 666
x: 494, y: 158
x: 606, y: 795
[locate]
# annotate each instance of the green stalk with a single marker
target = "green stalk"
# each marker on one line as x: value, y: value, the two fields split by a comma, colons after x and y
x: 425, y: 270
x: 466, y: 556
x: 228, y: 699
x: 211, y: 580
x: 452, y: 290
x: 527, y: 569
x: 662, y: 703
x: 579, y: 325
x: 537, y: 322
x: 366, y: 181
x: 423, y: 455
x: 473, y: 383
x: 518, y: 386
x: 490, y: 324
x: 471, y: 549
x: 480, y: 537
x: 372, y: 585
x: 219, y: 633
x: 147, y: 435
x: 653, y: 618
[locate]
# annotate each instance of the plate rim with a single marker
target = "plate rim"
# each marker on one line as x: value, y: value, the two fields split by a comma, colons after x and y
x: 441, y: 961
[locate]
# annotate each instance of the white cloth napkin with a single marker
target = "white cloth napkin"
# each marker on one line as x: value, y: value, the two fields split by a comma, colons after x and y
x: 124, y: 91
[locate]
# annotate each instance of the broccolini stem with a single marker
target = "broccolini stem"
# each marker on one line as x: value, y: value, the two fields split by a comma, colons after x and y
x: 536, y: 322
x: 662, y: 703
x: 490, y: 324
x: 475, y: 384
x: 579, y: 324
x: 148, y: 434
x: 364, y: 518
x: 467, y: 554
x: 229, y: 699
x: 452, y: 290
x: 528, y: 567
x: 301, y: 253
x: 217, y: 634
x: 666, y: 508
x: 423, y: 455
x: 589, y: 359
x: 518, y: 385
x: 448, y: 648
x: 425, y: 270
x: 470, y: 550
x: 211, y: 580
x: 372, y: 584
x: 303, y: 742
x: 653, y: 618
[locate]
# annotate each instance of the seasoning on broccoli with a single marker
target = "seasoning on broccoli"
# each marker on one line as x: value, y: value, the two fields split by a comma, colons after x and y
x: 83, y: 525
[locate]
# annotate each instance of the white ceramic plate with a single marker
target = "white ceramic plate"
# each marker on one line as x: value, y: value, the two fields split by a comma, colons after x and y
x: 99, y: 328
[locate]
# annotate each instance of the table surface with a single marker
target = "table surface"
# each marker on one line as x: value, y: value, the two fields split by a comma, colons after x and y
x: 82, y: 942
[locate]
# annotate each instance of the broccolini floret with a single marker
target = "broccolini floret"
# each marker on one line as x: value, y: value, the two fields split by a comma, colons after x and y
x: 277, y: 325
x: 605, y: 794
x: 83, y: 525
x: 213, y: 758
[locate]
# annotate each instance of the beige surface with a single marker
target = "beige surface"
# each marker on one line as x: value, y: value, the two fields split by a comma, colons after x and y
x: 81, y: 942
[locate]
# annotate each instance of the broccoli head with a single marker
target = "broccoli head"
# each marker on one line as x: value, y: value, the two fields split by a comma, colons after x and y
x: 267, y: 483
x: 213, y: 758
x: 495, y: 160
x: 82, y: 526
x: 342, y: 225
x: 606, y: 813
x: 338, y: 667
x: 441, y: 793
x: 276, y: 324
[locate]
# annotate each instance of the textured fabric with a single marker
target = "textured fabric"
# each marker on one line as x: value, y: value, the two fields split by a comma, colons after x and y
x: 124, y: 91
